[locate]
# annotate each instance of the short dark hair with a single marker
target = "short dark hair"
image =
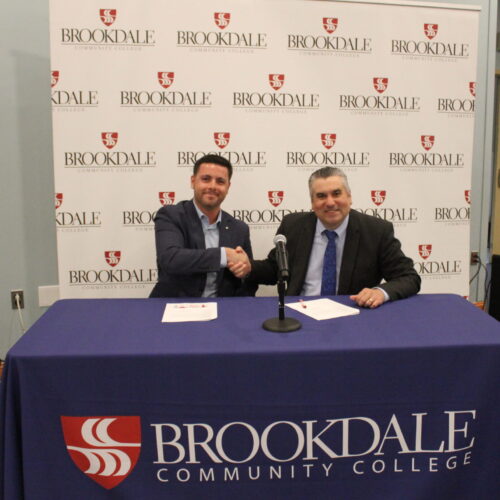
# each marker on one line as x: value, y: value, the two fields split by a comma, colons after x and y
x: 217, y: 159
x: 325, y: 172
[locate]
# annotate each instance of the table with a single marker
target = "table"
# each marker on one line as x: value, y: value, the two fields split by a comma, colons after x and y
x: 101, y: 400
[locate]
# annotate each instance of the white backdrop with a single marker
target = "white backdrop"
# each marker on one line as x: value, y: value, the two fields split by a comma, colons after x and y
x: 384, y: 91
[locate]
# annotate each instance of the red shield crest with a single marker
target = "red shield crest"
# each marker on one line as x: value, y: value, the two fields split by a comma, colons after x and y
x: 107, y: 16
x: 427, y: 141
x: 330, y: 24
x: 472, y: 88
x: 222, y: 19
x: 166, y: 78
x: 109, y: 139
x: 378, y: 196
x: 222, y: 139
x: 106, y: 449
x: 467, y: 195
x: 59, y: 200
x: 328, y: 140
x: 167, y: 197
x: 112, y: 257
x: 425, y: 251
x: 430, y: 30
x: 276, y: 81
x: 380, y: 84
x: 54, y: 78
x: 275, y: 197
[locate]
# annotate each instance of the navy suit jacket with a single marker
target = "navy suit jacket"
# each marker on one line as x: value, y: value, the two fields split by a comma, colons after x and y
x: 371, y: 253
x: 182, y: 259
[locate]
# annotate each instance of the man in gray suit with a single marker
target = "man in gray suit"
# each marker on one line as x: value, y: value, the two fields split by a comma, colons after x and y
x: 336, y: 250
x: 196, y: 241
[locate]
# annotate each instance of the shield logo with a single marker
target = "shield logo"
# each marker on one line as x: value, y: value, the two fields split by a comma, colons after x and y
x: 328, y: 140
x: 166, y: 78
x: 222, y: 139
x: 276, y: 81
x: 112, y: 257
x: 427, y: 141
x: 59, y: 199
x: 109, y: 139
x: 166, y: 197
x: 472, y: 88
x: 380, y: 84
x: 275, y: 197
x: 467, y: 195
x: 222, y: 19
x: 106, y: 449
x: 107, y: 16
x: 425, y: 251
x: 378, y: 196
x: 54, y: 78
x: 330, y: 24
x: 430, y: 30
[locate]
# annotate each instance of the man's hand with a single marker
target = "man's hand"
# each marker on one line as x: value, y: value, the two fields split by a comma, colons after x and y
x: 238, y: 262
x: 369, y: 297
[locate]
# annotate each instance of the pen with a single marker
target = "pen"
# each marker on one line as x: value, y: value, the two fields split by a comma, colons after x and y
x: 303, y: 304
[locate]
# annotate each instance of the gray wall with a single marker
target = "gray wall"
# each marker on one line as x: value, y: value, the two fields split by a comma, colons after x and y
x: 28, y: 237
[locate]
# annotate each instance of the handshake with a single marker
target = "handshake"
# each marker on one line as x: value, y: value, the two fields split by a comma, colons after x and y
x: 238, y: 262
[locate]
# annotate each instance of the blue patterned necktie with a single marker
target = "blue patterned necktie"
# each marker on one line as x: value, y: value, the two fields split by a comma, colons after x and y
x: 329, y: 277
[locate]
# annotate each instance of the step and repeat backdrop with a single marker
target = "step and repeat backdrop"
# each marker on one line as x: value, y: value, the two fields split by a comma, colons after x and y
x: 385, y: 91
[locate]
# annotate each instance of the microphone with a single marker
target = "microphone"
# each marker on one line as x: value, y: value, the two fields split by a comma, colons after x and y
x: 281, y: 255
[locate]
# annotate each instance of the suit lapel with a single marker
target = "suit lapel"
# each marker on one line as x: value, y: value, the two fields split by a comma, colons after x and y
x: 195, y: 227
x: 351, y: 248
x: 301, y: 255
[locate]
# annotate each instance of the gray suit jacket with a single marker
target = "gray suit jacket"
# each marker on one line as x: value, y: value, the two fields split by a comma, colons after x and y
x: 182, y: 259
x: 371, y: 253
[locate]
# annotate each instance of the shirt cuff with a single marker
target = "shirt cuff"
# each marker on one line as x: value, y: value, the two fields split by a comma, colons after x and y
x: 386, y: 295
x: 223, y: 257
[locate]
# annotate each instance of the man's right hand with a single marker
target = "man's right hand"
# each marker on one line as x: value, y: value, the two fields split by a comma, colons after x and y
x: 238, y: 262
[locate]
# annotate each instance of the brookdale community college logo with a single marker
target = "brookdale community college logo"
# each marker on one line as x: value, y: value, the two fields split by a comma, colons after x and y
x: 107, y: 16
x: 276, y: 81
x: 59, y: 200
x: 328, y: 140
x: 112, y: 257
x: 472, y: 88
x: 467, y: 195
x: 54, y: 78
x: 221, y: 139
x: 166, y: 78
x: 167, y: 197
x: 427, y: 141
x: 222, y: 19
x: 425, y: 251
x: 330, y: 24
x: 430, y: 30
x: 109, y: 139
x: 106, y: 449
x: 378, y: 196
x: 275, y: 197
x: 380, y: 84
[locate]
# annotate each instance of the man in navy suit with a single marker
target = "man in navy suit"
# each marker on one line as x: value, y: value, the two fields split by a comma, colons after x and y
x: 365, y: 253
x: 196, y: 240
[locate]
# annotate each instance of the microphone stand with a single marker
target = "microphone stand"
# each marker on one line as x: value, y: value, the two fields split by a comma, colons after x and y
x: 281, y: 324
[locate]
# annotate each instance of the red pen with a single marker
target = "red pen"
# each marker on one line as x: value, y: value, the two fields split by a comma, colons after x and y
x: 303, y: 304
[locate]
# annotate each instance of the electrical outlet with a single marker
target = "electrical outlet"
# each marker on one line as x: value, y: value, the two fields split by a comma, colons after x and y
x: 474, y: 258
x: 13, y: 300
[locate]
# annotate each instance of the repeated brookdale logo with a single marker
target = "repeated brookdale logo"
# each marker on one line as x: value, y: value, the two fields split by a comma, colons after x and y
x: 113, y: 257
x: 410, y: 160
x: 106, y: 449
x: 111, y: 158
x: 382, y: 101
x: 467, y: 196
x: 454, y: 214
x: 275, y: 197
x: 425, y: 250
x: 400, y: 215
x: 221, y: 39
x: 166, y: 197
x: 59, y: 200
x: 71, y: 98
x: 428, y: 43
x: 166, y: 99
x: 71, y: 220
x: 458, y: 107
x: 243, y: 160
x: 287, y: 101
x: 342, y: 43
x: 435, y: 268
x: 328, y: 158
x: 89, y: 37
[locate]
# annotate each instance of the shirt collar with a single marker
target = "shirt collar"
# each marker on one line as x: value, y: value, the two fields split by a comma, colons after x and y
x: 340, y: 230
x: 204, y: 218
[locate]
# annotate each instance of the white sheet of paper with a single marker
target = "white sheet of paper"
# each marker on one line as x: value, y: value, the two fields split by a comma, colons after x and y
x: 323, y: 309
x: 201, y: 311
